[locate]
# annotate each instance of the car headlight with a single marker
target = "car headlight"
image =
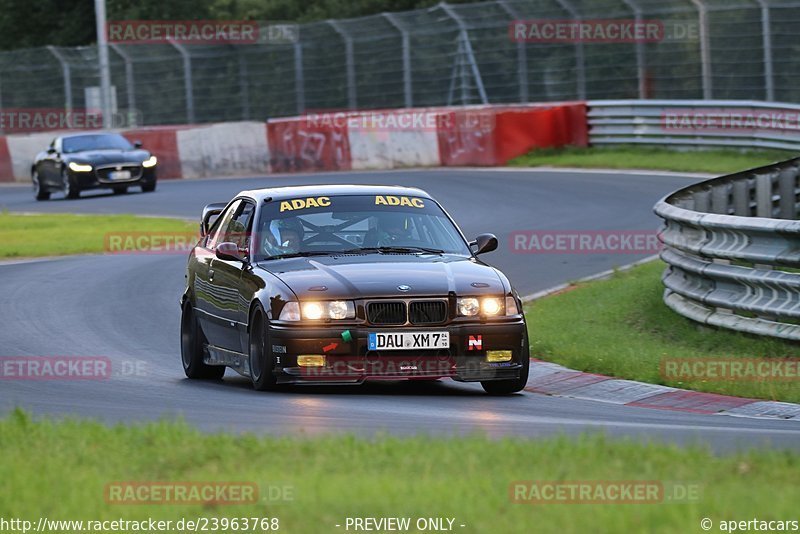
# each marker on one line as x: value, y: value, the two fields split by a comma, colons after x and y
x: 150, y: 162
x: 487, y: 306
x: 335, y: 309
x: 290, y: 312
x: 79, y: 167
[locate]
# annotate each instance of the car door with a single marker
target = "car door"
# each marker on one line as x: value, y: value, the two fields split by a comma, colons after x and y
x: 210, y: 299
x: 226, y: 281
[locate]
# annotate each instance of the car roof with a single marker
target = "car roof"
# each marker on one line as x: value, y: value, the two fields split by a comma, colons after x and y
x: 282, y: 193
x: 87, y: 132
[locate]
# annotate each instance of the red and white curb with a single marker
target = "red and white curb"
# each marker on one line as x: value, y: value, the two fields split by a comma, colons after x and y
x: 553, y: 379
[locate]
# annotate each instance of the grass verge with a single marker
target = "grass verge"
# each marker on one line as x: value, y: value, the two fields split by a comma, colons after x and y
x: 718, y: 161
x: 60, y: 470
x: 621, y: 327
x: 26, y: 236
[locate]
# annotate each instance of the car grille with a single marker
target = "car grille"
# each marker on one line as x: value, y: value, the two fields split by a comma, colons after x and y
x: 103, y: 173
x: 386, y: 312
x: 427, y: 312
x: 419, y: 312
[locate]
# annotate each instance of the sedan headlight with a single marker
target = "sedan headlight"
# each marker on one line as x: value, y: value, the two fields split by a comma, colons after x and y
x: 335, y: 309
x: 150, y: 162
x: 290, y: 312
x: 487, y: 306
x: 79, y: 167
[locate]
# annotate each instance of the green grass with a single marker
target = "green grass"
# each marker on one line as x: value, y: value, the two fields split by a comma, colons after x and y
x: 25, y: 236
x: 60, y: 469
x: 621, y: 327
x: 718, y: 161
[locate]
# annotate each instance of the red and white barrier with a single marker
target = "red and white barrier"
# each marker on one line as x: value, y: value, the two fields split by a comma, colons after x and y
x: 381, y: 139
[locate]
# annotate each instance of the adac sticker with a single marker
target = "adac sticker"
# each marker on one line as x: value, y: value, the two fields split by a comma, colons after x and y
x: 390, y: 200
x: 305, y: 203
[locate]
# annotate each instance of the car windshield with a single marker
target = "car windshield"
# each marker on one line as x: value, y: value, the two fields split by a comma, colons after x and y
x: 79, y: 143
x: 355, y: 224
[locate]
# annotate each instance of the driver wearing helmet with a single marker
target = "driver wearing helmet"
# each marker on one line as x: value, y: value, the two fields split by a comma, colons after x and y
x: 284, y: 236
x: 392, y: 228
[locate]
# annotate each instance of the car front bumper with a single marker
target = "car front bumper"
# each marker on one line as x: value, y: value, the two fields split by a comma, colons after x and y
x: 351, y: 362
x: 93, y: 180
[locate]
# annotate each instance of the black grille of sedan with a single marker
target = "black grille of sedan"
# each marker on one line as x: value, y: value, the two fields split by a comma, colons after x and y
x: 386, y: 312
x: 427, y: 312
x: 104, y: 172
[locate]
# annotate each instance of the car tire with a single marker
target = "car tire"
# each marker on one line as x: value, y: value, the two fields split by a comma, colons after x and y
x: 192, y: 340
x: 120, y: 190
x: 506, y: 387
x: 261, y: 362
x: 38, y: 191
x: 148, y: 188
x: 71, y: 190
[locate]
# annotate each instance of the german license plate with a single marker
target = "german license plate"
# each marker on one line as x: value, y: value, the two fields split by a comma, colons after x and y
x: 408, y: 340
x: 120, y: 175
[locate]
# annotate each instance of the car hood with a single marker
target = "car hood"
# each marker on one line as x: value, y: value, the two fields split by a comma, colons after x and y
x: 380, y: 275
x: 103, y: 157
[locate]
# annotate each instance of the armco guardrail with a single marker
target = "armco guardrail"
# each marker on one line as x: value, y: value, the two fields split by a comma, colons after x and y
x: 693, y: 123
x: 733, y: 249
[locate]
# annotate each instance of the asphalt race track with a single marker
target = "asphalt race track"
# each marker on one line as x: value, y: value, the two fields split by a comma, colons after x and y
x: 125, y: 308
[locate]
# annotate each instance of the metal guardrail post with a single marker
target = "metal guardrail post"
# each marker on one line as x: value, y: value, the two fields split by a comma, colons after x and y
x: 187, y: 80
x: 705, y: 48
x: 65, y: 71
x: 299, y: 82
x: 640, y: 52
x: 522, y: 54
x: 766, y: 35
x: 351, y: 67
x: 130, y: 92
x: 408, y: 96
x: 464, y: 37
x: 580, y: 59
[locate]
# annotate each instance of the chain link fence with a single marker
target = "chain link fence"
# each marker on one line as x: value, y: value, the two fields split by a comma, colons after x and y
x: 447, y: 54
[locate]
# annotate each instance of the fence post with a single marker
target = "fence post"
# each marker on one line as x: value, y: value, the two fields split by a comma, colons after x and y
x: 351, y: 68
x: 769, y: 77
x: 65, y: 71
x: 299, y: 82
x: 129, y: 88
x: 406, y: 44
x: 640, y: 57
x: 187, y: 80
x: 243, y: 82
x: 580, y: 60
x: 464, y: 38
x: 522, y: 55
x: 705, y: 48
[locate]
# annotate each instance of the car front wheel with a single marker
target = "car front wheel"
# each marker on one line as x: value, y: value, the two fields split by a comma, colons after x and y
x: 261, y: 363
x: 506, y: 387
x: 38, y: 191
x: 71, y: 190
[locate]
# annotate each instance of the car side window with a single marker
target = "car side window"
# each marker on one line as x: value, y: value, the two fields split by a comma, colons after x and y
x: 235, y: 225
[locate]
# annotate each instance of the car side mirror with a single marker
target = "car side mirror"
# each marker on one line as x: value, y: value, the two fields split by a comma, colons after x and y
x: 51, y: 150
x: 229, y: 251
x: 137, y: 144
x: 485, y: 243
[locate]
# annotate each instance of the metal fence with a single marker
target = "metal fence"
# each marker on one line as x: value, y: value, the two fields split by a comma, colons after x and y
x: 448, y: 54
x: 695, y: 123
x: 733, y: 249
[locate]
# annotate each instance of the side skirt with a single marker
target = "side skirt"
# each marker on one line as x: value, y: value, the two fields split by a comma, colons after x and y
x: 235, y: 360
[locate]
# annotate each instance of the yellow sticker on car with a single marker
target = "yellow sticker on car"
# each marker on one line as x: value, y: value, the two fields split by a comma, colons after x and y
x: 305, y: 203
x: 390, y: 200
